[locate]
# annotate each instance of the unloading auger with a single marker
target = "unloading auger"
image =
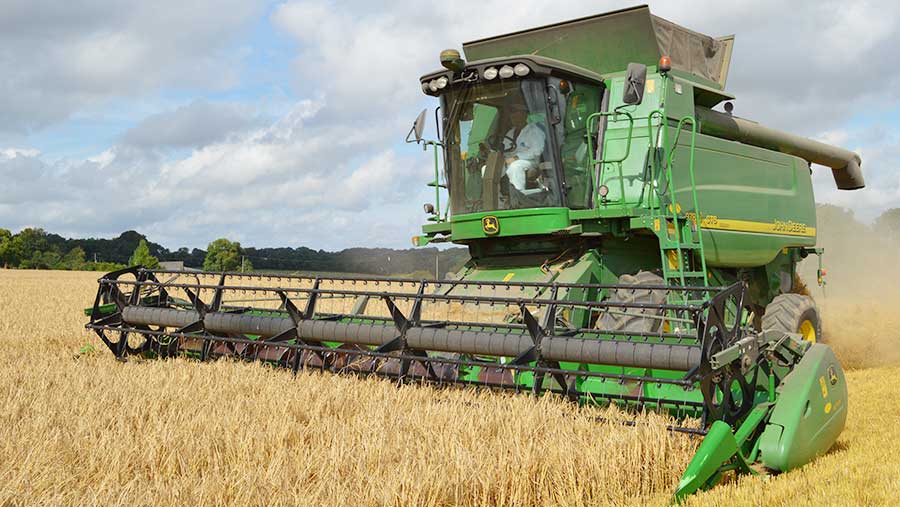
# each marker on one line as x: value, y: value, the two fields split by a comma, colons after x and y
x: 629, y: 246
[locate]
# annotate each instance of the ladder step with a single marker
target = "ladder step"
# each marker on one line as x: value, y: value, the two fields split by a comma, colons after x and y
x: 684, y: 246
x: 686, y: 274
x: 681, y: 236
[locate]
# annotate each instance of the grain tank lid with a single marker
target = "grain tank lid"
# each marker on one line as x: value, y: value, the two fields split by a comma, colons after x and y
x: 706, y: 96
x: 693, y: 52
x: 607, y: 43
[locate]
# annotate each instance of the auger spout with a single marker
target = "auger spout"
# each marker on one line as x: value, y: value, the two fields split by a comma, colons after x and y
x: 845, y: 165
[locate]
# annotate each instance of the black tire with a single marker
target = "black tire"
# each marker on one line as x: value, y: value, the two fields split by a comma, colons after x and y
x: 789, y: 312
x: 635, y: 319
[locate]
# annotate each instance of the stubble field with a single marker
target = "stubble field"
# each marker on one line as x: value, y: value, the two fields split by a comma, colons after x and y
x: 85, y: 429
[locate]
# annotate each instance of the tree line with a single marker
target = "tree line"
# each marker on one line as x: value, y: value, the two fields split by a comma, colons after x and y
x: 34, y: 248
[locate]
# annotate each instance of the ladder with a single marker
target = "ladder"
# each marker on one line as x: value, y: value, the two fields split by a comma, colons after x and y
x: 680, y: 234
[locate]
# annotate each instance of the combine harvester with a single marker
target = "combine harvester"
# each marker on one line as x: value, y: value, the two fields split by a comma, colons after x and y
x: 629, y: 246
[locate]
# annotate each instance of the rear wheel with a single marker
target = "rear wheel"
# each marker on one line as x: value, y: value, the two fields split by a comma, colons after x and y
x: 794, y: 313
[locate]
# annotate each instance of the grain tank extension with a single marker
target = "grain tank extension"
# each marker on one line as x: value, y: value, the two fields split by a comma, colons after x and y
x: 629, y: 246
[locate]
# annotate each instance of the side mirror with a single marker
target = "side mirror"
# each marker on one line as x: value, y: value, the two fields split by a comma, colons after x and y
x: 635, y: 79
x: 417, y: 128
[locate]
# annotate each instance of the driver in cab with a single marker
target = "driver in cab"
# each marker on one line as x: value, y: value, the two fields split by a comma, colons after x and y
x: 523, y: 146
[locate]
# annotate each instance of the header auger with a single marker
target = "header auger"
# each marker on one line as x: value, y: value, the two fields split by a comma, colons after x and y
x: 629, y: 245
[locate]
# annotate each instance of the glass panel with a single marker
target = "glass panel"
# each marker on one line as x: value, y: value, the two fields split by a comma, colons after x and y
x: 497, y: 146
x: 579, y: 100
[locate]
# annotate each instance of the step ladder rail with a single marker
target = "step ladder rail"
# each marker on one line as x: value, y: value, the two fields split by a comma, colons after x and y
x: 670, y: 268
x: 680, y: 247
x: 697, y: 220
x: 652, y: 161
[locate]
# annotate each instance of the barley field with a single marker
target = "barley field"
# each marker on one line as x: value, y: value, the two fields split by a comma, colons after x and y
x: 80, y: 429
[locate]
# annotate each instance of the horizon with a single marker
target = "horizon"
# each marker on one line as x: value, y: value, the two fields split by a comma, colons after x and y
x: 437, y: 246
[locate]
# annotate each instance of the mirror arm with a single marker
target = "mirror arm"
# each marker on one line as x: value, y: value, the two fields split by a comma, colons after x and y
x: 417, y: 128
x: 437, y: 124
x: 411, y: 132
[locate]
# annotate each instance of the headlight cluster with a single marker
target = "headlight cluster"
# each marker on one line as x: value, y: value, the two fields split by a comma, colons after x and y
x: 506, y: 71
x: 490, y: 73
x: 435, y: 84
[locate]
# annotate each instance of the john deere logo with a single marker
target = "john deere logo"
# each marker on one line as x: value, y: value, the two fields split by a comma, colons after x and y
x: 832, y: 375
x: 490, y: 224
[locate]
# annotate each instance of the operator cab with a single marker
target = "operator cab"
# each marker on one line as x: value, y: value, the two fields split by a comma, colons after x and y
x: 515, y: 133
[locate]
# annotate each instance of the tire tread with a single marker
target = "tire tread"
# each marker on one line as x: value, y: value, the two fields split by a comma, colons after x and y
x: 786, y: 310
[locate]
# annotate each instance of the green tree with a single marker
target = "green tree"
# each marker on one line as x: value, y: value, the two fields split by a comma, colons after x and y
x: 27, y: 248
x: 5, y: 248
x: 142, y: 257
x: 50, y: 260
x: 32, y: 240
x: 74, y: 259
x: 224, y: 255
x: 33, y: 261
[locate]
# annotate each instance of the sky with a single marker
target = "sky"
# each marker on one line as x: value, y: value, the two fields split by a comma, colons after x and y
x: 282, y: 123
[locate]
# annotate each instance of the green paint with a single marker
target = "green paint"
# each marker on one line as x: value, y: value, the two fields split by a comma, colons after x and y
x: 704, y: 471
x: 721, y: 450
x: 810, y: 413
x: 534, y: 221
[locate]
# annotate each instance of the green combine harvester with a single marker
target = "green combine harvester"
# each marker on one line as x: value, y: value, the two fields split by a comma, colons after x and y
x: 630, y: 246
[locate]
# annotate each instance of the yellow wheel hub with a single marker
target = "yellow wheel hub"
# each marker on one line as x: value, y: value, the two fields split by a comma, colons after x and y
x: 808, y: 330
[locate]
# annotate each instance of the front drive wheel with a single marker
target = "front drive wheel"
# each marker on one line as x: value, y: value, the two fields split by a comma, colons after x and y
x: 794, y: 313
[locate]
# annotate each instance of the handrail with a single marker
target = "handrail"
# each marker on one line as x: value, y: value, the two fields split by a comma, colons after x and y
x: 674, y: 208
x: 591, y: 120
x: 436, y: 216
x: 651, y: 141
x: 698, y: 219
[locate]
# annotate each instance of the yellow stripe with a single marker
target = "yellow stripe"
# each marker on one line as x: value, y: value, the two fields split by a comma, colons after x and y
x: 787, y: 228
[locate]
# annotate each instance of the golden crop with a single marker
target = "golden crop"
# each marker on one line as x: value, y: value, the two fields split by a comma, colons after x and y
x: 86, y: 429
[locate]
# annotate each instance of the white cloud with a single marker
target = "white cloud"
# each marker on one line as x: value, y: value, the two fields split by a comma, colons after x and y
x: 193, y: 125
x: 837, y: 137
x: 285, y: 183
x: 10, y: 153
x: 859, y: 29
x: 63, y: 57
x: 104, y: 158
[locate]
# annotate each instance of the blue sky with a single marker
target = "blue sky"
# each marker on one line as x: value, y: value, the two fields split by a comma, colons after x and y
x: 281, y: 123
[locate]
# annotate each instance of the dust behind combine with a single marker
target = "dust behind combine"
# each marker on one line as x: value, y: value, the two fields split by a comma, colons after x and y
x: 860, y: 299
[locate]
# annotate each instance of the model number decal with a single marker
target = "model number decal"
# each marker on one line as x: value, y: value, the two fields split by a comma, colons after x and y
x: 705, y: 220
